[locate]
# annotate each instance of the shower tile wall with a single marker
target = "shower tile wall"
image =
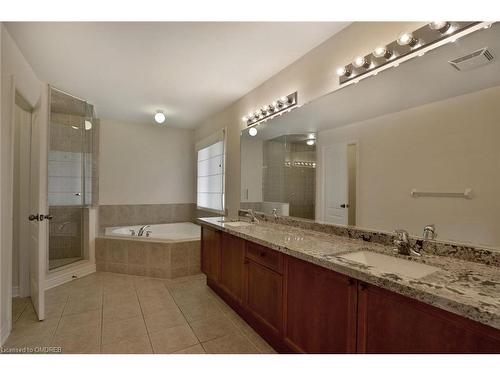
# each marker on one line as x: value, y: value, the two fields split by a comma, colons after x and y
x: 65, y: 232
x: 65, y: 161
x: 295, y: 185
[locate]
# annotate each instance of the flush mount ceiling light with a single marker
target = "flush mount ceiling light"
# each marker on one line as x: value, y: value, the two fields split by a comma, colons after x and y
x: 311, y: 142
x: 160, y: 117
x: 266, y: 112
x: 408, y: 45
x: 252, y: 132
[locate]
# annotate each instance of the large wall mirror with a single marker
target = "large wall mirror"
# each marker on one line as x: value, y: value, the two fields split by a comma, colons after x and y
x: 417, y: 144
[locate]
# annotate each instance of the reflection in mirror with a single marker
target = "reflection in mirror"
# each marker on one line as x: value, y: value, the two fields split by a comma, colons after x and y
x: 280, y: 174
x: 418, y: 144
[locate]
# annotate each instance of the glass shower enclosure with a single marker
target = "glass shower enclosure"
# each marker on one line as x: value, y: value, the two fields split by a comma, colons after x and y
x: 72, y: 176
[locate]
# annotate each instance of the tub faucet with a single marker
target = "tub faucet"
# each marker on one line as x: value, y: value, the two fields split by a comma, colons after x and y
x: 142, y: 229
x: 402, y: 243
x: 430, y: 232
x: 275, y: 214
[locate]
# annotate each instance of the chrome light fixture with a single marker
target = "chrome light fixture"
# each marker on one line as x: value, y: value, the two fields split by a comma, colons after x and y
x: 407, y: 43
x: 160, y: 117
x: 382, y: 52
x: 283, y: 103
x: 361, y: 62
x: 441, y: 26
x: 407, y: 39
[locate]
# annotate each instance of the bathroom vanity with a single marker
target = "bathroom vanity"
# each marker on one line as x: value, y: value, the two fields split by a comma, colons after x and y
x: 296, y: 290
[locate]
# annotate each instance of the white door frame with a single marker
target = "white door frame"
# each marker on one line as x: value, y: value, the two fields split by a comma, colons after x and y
x: 24, y: 251
x: 323, y: 175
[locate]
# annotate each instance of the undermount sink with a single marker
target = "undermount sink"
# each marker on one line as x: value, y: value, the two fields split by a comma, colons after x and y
x: 237, y: 223
x: 388, y: 264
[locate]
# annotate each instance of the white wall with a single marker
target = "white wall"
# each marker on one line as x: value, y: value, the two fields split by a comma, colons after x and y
x: 252, y: 155
x: 448, y: 145
x: 145, y: 164
x: 313, y: 75
x: 16, y: 75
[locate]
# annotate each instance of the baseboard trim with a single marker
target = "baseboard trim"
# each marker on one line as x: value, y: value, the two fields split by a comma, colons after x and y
x: 61, y: 277
x: 15, y: 291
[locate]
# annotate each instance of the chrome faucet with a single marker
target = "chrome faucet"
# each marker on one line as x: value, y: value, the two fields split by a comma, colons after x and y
x: 253, y: 218
x: 275, y: 214
x: 142, y: 229
x: 430, y: 232
x: 402, y: 243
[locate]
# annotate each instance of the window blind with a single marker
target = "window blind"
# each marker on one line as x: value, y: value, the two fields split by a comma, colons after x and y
x: 210, y: 190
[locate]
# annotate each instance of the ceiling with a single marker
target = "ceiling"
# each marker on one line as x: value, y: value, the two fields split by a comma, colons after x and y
x: 128, y: 70
x: 413, y: 83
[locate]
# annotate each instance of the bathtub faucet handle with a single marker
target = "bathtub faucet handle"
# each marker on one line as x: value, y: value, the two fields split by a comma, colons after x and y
x: 148, y: 232
x: 132, y: 232
x: 141, y: 231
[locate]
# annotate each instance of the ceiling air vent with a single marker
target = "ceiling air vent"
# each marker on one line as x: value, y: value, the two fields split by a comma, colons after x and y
x: 472, y: 60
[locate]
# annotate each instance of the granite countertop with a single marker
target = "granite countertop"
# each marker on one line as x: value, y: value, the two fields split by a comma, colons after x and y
x: 465, y: 288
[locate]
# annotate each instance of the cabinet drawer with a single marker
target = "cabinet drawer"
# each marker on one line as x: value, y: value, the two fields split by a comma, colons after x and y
x: 264, y: 256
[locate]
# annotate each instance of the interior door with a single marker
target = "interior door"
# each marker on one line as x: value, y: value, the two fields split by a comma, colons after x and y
x: 335, y: 188
x: 38, y: 203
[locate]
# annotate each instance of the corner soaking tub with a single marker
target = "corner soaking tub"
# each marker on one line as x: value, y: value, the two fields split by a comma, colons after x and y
x: 172, y: 231
x: 171, y: 250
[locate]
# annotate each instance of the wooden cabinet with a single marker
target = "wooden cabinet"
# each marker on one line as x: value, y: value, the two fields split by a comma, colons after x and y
x: 210, y: 252
x: 391, y: 323
x: 232, y: 255
x: 264, y: 295
x: 320, y: 309
x: 300, y: 307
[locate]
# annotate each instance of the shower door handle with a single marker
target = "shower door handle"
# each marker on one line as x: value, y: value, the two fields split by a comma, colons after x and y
x: 40, y: 217
x: 35, y: 217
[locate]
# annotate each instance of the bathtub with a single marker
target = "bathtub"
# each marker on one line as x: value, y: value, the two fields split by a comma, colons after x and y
x: 170, y: 251
x: 165, y: 232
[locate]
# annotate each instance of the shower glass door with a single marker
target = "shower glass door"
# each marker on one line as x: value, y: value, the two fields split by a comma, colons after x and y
x: 70, y: 176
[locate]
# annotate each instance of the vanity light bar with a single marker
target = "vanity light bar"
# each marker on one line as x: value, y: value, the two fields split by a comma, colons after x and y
x: 284, y: 103
x: 407, y: 43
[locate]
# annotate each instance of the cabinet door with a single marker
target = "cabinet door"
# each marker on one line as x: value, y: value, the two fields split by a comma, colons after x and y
x: 264, y: 295
x: 231, y: 266
x: 210, y: 252
x: 320, y: 309
x: 391, y: 323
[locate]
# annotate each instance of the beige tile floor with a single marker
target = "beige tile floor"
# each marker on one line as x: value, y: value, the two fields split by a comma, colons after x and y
x: 114, y: 313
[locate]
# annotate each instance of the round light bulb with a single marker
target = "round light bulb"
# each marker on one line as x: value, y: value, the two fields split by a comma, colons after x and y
x: 283, y: 99
x: 360, y: 62
x: 311, y: 142
x: 160, y: 117
x: 245, y: 118
x: 441, y: 26
x: 341, y: 71
x: 407, y: 39
x: 88, y: 125
x: 382, y: 52
x: 252, y: 132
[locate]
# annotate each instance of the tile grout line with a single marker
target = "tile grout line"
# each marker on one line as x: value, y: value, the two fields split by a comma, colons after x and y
x: 187, y: 321
x: 144, y: 319
x: 59, y: 322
